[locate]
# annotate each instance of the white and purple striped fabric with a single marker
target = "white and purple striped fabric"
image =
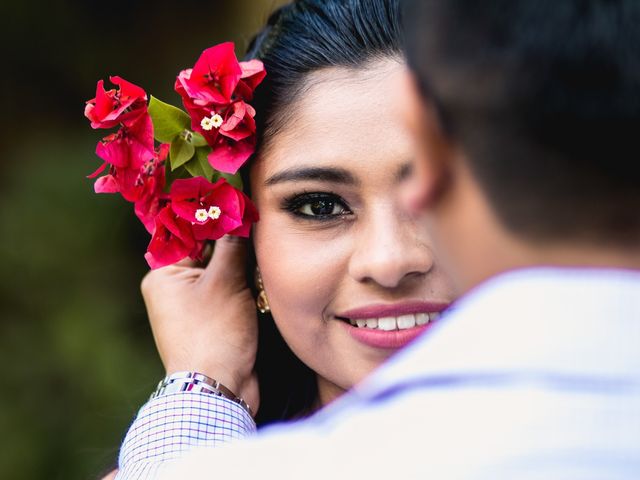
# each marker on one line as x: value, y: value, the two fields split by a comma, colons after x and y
x: 169, y: 426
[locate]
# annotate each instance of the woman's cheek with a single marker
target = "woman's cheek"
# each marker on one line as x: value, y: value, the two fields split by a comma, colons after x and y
x: 302, y: 272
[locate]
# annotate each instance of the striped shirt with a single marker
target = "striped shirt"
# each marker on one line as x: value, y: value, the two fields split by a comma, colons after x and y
x: 169, y: 426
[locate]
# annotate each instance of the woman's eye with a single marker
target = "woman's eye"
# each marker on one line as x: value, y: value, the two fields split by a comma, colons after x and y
x: 317, y: 206
x: 322, y: 208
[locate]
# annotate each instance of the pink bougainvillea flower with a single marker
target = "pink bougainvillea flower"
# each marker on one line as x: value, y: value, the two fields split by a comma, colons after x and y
x: 130, y: 146
x: 214, y: 93
x: 122, y: 106
x: 172, y: 240
x: 240, y: 122
x: 151, y: 197
x: 212, y: 208
x: 253, y: 73
x: 147, y: 209
x: 228, y: 155
x: 148, y: 179
x: 230, y: 131
x: 134, y: 184
x: 195, y: 107
x: 214, y: 77
x: 106, y: 184
x: 249, y: 217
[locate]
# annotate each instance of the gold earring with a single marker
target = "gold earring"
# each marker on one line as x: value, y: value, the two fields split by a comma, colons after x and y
x: 261, y: 302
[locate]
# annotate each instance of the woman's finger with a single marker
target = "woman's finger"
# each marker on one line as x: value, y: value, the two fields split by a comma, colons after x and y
x: 228, y: 261
x: 186, y: 262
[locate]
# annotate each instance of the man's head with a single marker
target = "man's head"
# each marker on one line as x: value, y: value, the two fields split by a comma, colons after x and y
x: 540, y: 101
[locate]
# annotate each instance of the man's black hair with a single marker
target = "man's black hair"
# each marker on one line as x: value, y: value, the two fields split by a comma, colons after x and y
x: 543, y: 97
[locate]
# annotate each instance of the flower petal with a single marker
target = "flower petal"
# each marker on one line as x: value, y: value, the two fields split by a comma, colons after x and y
x: 172, y: 240
x: 98, y: 171
x: 253, y: 73
x: 113, y: 107
x: 106, y: 184
x: 250, y: 216
x: 215, y: 75
x: 229, y: 156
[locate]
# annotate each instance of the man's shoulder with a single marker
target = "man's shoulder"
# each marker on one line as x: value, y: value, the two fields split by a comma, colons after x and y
x: 520, y: 380
x: 471, y: 431
x: 561, y: 322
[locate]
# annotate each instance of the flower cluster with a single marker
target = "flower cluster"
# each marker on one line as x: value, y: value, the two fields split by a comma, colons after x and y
x: 185, y: 190
x: 215, y: 92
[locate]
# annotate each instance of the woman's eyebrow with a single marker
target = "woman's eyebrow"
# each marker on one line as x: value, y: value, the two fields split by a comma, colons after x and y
x: 326, y: 174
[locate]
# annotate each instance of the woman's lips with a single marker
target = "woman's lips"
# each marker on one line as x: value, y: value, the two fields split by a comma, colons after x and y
x: 390, y: 340
x: 390, y: 326
x: 377, y: 311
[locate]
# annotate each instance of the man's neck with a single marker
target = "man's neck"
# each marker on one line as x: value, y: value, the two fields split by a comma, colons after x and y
x: 560, y: 256
x: 476, y: 246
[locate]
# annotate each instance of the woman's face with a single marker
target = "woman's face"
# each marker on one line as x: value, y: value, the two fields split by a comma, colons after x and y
x: 334, y: 246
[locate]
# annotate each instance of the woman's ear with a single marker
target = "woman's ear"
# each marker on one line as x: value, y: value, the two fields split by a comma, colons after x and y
x: 431, y: 149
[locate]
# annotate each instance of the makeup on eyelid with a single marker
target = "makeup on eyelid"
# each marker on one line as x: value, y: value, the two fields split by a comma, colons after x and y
x: 322, y: 206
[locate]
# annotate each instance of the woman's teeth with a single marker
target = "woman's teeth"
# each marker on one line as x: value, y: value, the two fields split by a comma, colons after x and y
x: 401, y: 322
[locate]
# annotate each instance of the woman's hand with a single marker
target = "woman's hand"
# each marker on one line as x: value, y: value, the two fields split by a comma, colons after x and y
x: 204, y: 319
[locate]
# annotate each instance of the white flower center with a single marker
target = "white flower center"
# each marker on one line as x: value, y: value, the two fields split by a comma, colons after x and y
x: 202, y: 215
x: 209, y: 123
x: 216, y: 120
x: 206, y: 124
x: 214, y: 212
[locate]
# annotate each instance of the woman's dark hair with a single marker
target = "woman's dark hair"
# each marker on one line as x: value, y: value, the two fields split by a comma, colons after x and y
x: 300, y: 38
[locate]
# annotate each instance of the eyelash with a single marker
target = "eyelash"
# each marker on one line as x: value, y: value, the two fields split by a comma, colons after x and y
x: 295, y: 203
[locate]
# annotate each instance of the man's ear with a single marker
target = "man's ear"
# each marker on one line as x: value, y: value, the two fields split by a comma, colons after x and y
x: 431, y: 149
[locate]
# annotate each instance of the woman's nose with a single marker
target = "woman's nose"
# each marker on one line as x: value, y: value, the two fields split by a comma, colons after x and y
x: 390, y: 248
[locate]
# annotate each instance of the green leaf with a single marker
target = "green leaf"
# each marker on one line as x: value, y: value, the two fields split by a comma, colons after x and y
x: 233, y: 179
x: 181, y: 152
x: 198, y: 140
x: 199, y: 166
x: 168, y: 121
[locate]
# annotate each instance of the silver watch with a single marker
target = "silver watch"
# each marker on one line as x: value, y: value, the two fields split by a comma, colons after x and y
x: 197, y: 383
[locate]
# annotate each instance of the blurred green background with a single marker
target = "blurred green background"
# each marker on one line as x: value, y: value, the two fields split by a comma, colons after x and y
x: 76, y: 353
